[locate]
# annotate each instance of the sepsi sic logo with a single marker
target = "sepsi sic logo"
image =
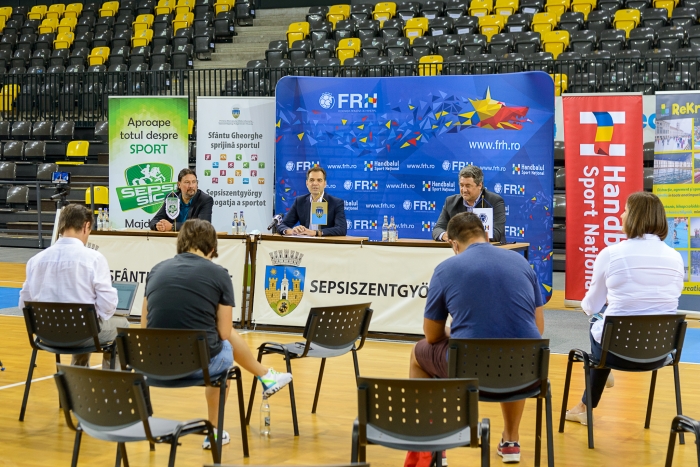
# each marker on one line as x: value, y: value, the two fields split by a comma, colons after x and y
x: 148, y: 185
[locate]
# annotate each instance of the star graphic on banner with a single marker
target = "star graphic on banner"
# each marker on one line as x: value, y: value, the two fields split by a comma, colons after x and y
x: 487, y: 107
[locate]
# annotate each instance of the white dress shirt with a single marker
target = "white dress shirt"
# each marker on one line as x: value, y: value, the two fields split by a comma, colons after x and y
x: 640, y: 276
x: 70, y: 272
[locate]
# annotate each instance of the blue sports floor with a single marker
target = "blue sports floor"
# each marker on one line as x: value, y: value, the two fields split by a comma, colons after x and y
x: 9, y: 297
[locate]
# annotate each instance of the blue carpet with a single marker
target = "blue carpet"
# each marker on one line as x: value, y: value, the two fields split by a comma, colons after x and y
x: 691, y: 346
x: 8, y: 297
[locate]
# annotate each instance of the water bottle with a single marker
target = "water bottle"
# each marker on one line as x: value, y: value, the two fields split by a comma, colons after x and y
x: 392, y: 230
x: 105, y: 220
x: 241, y: 224
x: 385, y: 230
x: 265, y: 417
x: 100, y: 219
x: 234, y: 224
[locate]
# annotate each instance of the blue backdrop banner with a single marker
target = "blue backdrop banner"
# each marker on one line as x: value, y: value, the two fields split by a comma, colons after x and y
x: 395, y: 146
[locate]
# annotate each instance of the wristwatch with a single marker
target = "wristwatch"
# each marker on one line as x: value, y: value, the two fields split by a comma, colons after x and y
x: 319, y: 233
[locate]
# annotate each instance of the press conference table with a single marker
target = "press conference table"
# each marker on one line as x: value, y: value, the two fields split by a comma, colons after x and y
x: 317, y: 272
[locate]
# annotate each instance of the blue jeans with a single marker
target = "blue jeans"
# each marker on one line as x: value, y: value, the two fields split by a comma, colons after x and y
x: 220, y: 363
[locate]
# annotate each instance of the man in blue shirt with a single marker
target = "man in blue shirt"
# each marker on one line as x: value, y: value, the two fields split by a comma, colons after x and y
x: 194, y: 204
x: 489, y: 292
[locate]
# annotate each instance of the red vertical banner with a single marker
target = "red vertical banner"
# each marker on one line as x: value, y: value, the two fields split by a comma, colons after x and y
x: 604, y: 165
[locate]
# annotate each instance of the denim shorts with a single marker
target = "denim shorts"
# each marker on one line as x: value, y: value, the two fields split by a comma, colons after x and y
x: 221, y: 363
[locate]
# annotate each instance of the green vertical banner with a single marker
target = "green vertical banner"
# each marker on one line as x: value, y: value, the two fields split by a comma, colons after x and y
x: 147, y: 149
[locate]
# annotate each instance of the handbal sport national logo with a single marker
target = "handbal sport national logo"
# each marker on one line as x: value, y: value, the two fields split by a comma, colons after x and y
x: 284, y: 281
x: 147, y: 186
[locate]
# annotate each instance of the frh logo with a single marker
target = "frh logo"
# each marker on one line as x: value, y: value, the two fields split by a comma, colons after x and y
x: 379, y: 166
x: 605, y: 122
x: 366, y: 185
x: 364, y: 224
x: 455, y: 166
x: 509, y: 189
x: 368, y: 166
x: 427, y: 226
x: 357, y: 101
x: 513, y: 231
x: 303, y: 166
x: 419, y: 205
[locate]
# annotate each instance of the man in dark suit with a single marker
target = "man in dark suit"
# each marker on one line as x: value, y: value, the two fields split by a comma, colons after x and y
x: 472, y: 194
x: 300, y: 212
x: 194, y: 204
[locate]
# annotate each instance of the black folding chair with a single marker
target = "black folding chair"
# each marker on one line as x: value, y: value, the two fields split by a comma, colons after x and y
x: 330, y: 332
x: 682, y: 424
x: 508, y: 370
x: 122, y: 412
x: 169, y: 357
x: 61, y: 328
x: 639, y: 339
x: 422, y: 415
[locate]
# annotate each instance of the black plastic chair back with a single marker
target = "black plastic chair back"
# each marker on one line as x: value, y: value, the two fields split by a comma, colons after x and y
x: 164, y: 354
x: 500, y: 365
x: 51, y: 325
x: 338, y: 327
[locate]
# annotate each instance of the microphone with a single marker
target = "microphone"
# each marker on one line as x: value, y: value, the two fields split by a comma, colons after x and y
x: 275, y: 221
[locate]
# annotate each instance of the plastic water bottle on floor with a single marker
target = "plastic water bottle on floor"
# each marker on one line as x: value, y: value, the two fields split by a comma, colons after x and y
x: 265, y: 417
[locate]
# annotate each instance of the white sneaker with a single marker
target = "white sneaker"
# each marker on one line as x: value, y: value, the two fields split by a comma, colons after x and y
x: 577, y: 417
x: 273, y: 381
x: 225, y: 439
x: 611, y: 381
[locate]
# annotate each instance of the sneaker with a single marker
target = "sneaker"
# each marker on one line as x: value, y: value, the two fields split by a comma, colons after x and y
x: 610, y: 382
x: 274, y: 381
x: 509, y: 451
x: 225, y: 439
x: 577, y: 417
x: 444, y: 458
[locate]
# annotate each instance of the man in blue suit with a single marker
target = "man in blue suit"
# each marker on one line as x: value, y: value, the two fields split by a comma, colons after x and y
x: 300, y: 212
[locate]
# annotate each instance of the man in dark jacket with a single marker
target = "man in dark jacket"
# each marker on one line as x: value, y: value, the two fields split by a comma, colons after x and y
x: 472, y: 194
x: 194, y: 204
x: 300, y: 212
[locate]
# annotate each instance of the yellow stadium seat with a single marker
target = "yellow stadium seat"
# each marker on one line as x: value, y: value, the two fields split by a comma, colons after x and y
x: 505, y: 7
x: 182, y: 20
x: 184, y: 6
x: 297, y: 32
x: 558, y: 7
x: 67, y: 25
x: 667, y: 4
x: 64, y: 40
x: 491, y: 24
x: 98, y: 56
x: 347, y: 48
x: 480, y: 8
x: 6, y: 13
x: 7, y: 96
x: 142, y: 22
x: 415, y: 27
x: 165, y: 7
x: 142, y: 38
x: 56, y: 11
x: 223, y: 5
x: 76, y: 153
x: 584, y: 6
x: 101, y: 196
x: 109, y: 9
x: 48, y: 26
x: 190, y: 126
x: 2, y: 24
x: 555, y: 42
x: 338, y: 13
x: 73, y: 10
x: 384, y: 11
x: 430, y: 65
x: 561, y: 83
x: 37, y: 12
x: 627, y: 20
x: 543, y: 22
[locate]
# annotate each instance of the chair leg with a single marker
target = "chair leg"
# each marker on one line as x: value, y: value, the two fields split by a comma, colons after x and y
x: 121, y: 455
x: 437, y: 459
x: 113, y: 357
x: 318, y: 384
x: 76, y: 447
x: 252, y: 390
x: 173, y: 452
x: 215, y: 451
x: 672, y: 445
x: 220, y: 419
x: 28, y: 385
x: 550, y: 433
x: 357, y: 365
x: 567, y: 385
x: 292, y: 400
x: 355, y: 442
x: 589, y: 399
x: 241, y: 412
x: 679, y: 406
x: 538, y: 432
x: 650, y: 403
x: 485, y: 442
